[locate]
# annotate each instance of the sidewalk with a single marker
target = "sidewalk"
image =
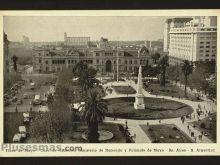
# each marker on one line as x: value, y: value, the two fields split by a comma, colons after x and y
x: 134, y: 125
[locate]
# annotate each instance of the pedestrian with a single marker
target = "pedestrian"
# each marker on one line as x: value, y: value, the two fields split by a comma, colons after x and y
x: 159, y: 121
x: 148, y: 124
x: 188, y: 126
x: 126, y: 125
x: 195, y: 138
x: 30, y: 109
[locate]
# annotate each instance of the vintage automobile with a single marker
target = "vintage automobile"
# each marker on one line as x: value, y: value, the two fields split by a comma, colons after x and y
x: 17, y: 138
x: 14, y: 99
x: 22, y: 131
x: 19, y: 102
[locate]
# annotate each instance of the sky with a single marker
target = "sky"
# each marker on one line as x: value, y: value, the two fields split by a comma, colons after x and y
x: 52, y: 28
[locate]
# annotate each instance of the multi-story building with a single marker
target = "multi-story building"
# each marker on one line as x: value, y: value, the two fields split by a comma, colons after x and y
x: 196, y: 40
x: 104, y: 58
x: 75, y: 41
x: 172, y: 23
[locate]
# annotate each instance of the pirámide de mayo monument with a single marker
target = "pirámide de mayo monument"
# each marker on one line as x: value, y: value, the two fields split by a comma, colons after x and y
x: 139, y: 98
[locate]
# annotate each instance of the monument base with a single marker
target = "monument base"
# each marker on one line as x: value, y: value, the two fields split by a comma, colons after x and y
x: 139, y: 106
x: 139, y: 102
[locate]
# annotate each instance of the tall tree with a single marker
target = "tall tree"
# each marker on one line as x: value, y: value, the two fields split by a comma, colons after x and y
x: 163, y: 64
x: 155, y: 57
x: 15, y: 59
x: 50, y: 127
x: 93, y: 113
x: 187, y: 69
x: 86, y: 76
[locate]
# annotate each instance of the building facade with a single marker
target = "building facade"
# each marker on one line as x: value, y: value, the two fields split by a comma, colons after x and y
x: 75, y: 41
x: 169, y: 24
x: 104, y: 59
x: 196, y: 40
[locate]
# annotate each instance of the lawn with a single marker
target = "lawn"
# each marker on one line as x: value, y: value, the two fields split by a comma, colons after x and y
x: 208, y: 127
x: 166, y: 133
x: 124, y: 89
x: 169, y: 90
x: 155, y: 108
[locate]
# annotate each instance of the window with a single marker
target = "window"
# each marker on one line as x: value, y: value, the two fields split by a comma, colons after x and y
x: 97, y: 61
x: 135, y: 61
x: 207, y: 46
x: 207, y: 55
x: 126, y: 62
x: 130, y: 62
x: 39, y: 61
x: 97, y: 54
x: 46, y: 62
x: 201, y: 46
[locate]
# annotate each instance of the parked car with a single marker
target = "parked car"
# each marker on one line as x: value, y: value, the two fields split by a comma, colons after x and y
x: 37, y: 100
x: 25, y: 96
x: 17, y: 138
x: 27, y: 117
x: 19, y: 102
x: 32, y: 86
x: 14, y: 99
x: 22, y: 131
x: 6, y: 102
x: 6, y: 96
x: 43, y: 108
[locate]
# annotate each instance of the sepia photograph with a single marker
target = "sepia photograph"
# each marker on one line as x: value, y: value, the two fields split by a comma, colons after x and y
x: 109, y: 79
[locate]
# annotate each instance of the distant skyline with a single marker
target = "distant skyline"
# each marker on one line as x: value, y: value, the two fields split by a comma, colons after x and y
x: 52, y: 28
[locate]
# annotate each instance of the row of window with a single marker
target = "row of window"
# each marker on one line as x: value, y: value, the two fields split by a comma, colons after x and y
x: 207, y: 46
x: 58, y: 61
x: 207, y: 55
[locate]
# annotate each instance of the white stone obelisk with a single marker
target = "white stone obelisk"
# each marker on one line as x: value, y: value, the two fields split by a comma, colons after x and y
x: 139, y: 98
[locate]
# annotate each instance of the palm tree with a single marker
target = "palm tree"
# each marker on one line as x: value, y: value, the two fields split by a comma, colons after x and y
x: 93, y: 113
x: 187, y: 69
x: 155, y: 57
x: 14, y: 59
x: 163, y: 64
x: 86, y: 76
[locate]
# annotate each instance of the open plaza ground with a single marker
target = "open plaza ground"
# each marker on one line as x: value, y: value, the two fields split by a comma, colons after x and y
x: 162, y: 114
